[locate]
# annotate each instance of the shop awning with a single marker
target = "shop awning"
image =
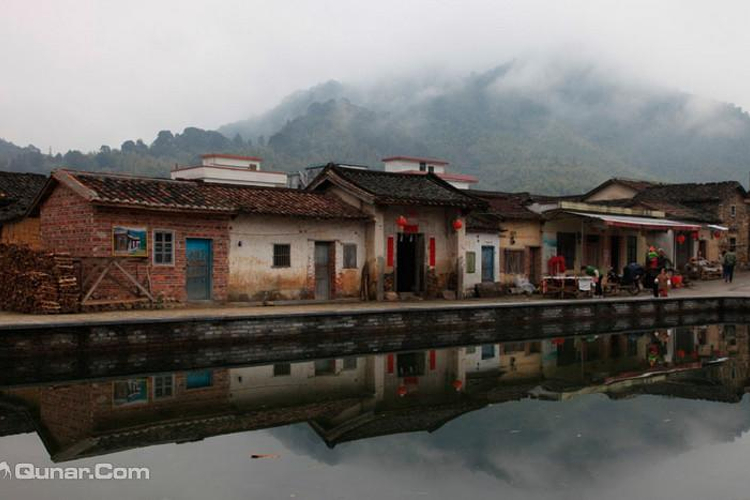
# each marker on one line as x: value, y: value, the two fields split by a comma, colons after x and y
x: 718, y: 228
x: 639, y: 222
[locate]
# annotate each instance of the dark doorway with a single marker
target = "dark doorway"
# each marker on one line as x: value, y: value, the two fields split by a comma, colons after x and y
x: 684, y: 250
x: 198, y: 270
x: 488, y: 264
x: 566, y: 247
x: 323, y: 270
x: 535, y: 265
x: 410, y: 262
x: 702, y: 248
x: 593, y: 250
x: 632, y: 249
x: 614, y: 252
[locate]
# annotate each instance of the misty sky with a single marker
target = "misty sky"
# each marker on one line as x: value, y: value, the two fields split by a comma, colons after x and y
x: 78, y: 73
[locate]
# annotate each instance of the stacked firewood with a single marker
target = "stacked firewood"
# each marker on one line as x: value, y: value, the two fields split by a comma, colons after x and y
x: 34, y: 281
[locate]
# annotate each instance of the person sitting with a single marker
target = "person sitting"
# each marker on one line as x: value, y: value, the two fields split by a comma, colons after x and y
x: 662, y: 283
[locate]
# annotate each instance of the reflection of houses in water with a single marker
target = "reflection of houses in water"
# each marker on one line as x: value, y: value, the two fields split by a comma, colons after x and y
x: 354, y: 398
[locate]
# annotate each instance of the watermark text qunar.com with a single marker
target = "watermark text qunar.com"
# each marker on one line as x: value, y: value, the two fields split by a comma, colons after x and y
x: 101, y: 471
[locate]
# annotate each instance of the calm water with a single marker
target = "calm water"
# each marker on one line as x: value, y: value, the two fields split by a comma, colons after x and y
x: 649, y: 415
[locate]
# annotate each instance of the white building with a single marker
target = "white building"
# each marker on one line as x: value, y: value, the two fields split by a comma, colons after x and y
x: 416, y: 165
x: 231, y: 169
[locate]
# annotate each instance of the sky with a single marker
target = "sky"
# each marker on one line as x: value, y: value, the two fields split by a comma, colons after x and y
x: 77, y: 74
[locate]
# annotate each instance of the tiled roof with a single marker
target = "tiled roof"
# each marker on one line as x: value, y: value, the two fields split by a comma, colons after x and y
x: 692, y: 201
x: 636, y: 185
x: 508, y: 205
x: 165, y: 194
x: 398, y: 188
x: 17, y: 192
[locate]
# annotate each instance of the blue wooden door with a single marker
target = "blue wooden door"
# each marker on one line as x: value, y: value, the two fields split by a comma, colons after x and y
x: 198, y: 271
x: 488, y: 264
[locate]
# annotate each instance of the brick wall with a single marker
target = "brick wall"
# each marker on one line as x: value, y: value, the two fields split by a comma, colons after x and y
x: 70, y: 224
x: 65, y: 223
x: 167, y: 280
x: 739, y: 225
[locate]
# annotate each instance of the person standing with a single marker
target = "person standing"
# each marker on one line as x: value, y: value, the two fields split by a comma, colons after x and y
x: 662, y: 283
x: 730, y: 260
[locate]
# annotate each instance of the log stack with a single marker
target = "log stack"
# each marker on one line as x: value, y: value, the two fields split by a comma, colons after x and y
x: 38, y: 282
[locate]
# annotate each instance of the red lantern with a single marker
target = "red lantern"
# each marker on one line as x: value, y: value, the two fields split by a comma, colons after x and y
x: 558, y: 341
x: 695, y: 236
x: 401, y: 221
x: 681, y: 354
x: 717, y: 234
x: 681, y: 239
x: 401, y: 391
x: 457, y: 224
x: 457, y: 384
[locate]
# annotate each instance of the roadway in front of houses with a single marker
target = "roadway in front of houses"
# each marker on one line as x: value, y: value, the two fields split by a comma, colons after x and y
x: 210, y: 311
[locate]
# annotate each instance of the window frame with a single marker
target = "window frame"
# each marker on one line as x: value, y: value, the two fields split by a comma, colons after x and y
x: 202, y: 387
x: 471, y: 269
x: 153, y: 386
x: 343, y: 253
x: 521, y: 254
x: 153, y: 247
x: 287, y: 372
x: 733, y: 211
x: 289, y: 256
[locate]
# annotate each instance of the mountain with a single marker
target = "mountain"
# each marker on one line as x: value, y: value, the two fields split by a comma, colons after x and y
x: 525, y: 125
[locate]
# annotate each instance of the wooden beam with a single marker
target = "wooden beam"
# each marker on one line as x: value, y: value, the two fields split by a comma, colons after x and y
x: 98, y: 280
x: 133, y: 280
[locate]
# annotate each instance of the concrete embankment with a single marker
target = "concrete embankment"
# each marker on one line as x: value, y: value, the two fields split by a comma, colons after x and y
x: 101, y: 348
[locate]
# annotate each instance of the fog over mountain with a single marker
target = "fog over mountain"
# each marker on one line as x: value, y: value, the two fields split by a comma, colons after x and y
x: 533, y: 124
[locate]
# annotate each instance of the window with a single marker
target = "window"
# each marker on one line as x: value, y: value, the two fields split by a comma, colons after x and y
x: 164, y: 248
x: 513, y: 262
x: 733, y: 210
x: 282, y: 369
x: 282, y: 255
x: 471, y: 349
x: 488, y: 351
x: 422, y: 166
x: 350, y: 256
x: 471, y: 262
x: 163, y: 386
x: 350, y: 363
x: 431, y: 169
x: 199, y: 379
x: 325, y: 367
x: 733, y: 244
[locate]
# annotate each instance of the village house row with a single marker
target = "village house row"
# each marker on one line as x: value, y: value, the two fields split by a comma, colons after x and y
x: 227, y: 230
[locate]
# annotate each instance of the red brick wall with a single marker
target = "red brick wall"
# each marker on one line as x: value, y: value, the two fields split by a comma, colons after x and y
x: 169, y: 280
x: 65, y: 223
x: 70, y: 224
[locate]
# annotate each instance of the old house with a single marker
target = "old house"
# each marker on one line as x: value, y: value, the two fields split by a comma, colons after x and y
x: 230, y: 169
x: 17, y: 193
x: 506, y: 239
x: 719, y: 208
x: 415, y: 238
x: 140, y: 238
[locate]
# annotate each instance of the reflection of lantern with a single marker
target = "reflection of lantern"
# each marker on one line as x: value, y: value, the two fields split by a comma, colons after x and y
x: 717, y: 234
x: 681, y: 239
x: 401, y: 391
x: 681, y: 353
x: 558, y: 341
x: 457, y: 384
x: 401, y: 221
x: 457, y: 224
x: 695, y: 236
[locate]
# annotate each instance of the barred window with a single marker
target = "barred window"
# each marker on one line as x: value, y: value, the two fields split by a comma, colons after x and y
x: 513, y: 262
x: 325, y: 367
x: 282, y: 369
x: 163, y: 248
x: 282, y: 255
x: 488, y: 351
x: 350, y: 363
x: 350, y: 256
x: 471, y: 262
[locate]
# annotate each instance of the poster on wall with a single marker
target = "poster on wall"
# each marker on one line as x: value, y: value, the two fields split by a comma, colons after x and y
x: 132, y: 391
x: 129, y: 241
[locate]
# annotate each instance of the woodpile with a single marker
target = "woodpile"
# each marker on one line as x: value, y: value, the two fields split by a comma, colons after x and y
x: 35, y: 281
